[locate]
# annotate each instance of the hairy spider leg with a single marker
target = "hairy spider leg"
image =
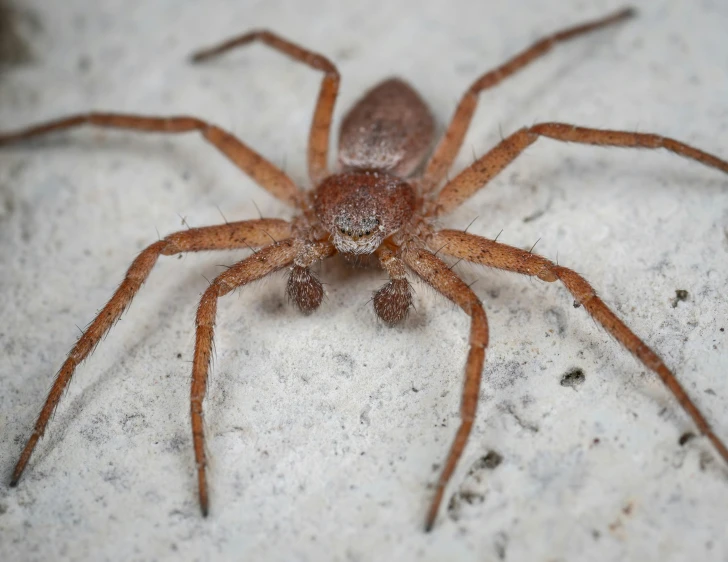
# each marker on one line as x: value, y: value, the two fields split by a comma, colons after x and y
x: 269, y: 259
x: 263, y: 172
x: 449, y: 146
x: 242, y: 234
x: 477, y: 249
x: 318, y: 139
x: 476, y: 176
x: 439, y: 276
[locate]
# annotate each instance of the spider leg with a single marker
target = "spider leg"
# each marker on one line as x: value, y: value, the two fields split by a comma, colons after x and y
x: 470, y: 180
x: 393, y: 300
x: 494, y: 254
x: 223, y: 237
x: 266, y: 261
x: 448, y: 148
x: 263, y: 172
x: 318, y: 139
x: 438, y: 275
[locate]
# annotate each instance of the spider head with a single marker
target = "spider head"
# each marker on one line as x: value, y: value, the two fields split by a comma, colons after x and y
x: 357, y: 234
x: 361, y: 208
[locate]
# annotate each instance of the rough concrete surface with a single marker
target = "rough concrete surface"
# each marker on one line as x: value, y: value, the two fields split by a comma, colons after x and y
x: 325, y: 432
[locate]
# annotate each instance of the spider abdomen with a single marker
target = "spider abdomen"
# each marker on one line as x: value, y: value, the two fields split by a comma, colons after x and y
x: 390, y: 128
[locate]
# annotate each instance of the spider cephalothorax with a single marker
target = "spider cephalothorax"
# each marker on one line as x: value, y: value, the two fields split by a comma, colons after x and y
x: 372, y: 207
x: 362, y: 208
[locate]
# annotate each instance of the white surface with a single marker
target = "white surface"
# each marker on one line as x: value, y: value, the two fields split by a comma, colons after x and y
x: 320, y: 446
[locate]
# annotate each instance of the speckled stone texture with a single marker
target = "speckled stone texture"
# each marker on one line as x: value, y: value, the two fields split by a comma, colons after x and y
x: 325, y: 431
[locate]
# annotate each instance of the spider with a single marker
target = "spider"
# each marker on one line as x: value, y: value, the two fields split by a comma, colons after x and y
x: 384, y: 202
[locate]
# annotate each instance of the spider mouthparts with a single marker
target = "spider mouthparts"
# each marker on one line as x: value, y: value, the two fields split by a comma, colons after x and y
x: 358, y: 245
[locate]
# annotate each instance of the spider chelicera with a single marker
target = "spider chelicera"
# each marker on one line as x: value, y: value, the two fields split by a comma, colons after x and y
x: 383, y: 202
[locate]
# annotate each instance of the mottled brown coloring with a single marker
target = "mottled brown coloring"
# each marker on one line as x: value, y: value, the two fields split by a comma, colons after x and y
x: 389, y: 129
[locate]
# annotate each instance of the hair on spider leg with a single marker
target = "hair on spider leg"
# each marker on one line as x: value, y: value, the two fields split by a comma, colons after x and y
x: 471, y: 223
x: 440, y: 249
x: 534, y: 245
x: 269, y: 235
x: 342, y: 206
x: 260, y: 215
x: 370, y: 299
x: 219, y: 210
x: 473, y: 283
x: 184, y: 221
x: 451, y: 267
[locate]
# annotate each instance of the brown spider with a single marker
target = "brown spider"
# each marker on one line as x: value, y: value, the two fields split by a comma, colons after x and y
x: 374, y: 205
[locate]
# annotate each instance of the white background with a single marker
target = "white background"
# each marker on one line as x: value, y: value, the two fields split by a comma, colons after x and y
x: 324, y: 431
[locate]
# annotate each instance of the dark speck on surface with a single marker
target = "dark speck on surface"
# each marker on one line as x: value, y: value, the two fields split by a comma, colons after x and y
x: 680, y: 295
x: 573, y: 378
x: 685, y: 437
x: 491, y: 460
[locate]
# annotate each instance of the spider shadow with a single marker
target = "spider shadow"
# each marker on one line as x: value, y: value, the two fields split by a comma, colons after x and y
x: 129, y: 148
x: 354, y: 284
x: 531, y: 196
x: 590, y: 345
x: 271, y: 301
x: 544, y: 76
x: 136, y: 337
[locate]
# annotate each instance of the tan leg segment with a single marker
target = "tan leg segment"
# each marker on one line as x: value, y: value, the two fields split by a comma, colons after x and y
x: 260, y: 264
x: 223, y: 237
x: 470, y: 180
x: 493, y: 254
x: 318, y: 140
x: 437, y: 274
x: 390, y: 262
x: 449, y: 146
x: 263, y: 172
